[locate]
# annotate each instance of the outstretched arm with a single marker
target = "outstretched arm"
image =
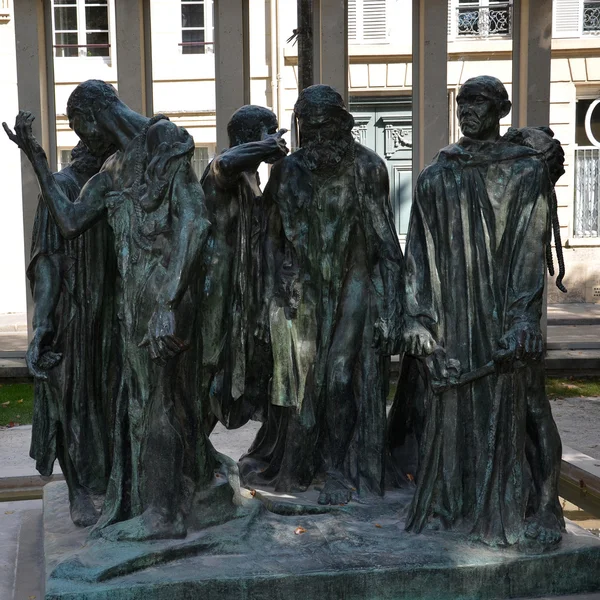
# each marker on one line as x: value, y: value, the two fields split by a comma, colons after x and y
x: 71, y: 218
x: 228, y: 165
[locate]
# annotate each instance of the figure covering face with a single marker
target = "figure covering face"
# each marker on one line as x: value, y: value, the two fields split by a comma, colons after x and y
x: 236, y: 367
x: 72, y: 401
x: 154, y: 205
x: 333, y: 271
x: 475, y: 272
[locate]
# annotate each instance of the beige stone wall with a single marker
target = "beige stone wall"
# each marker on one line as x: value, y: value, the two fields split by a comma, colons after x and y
x: 184, y: 88
x: 12, y: 265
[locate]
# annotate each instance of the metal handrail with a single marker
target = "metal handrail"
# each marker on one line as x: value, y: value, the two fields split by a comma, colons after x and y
x: 81, y: 46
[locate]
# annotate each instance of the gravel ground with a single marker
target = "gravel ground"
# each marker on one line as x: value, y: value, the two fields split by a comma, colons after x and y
x: 578, y: 420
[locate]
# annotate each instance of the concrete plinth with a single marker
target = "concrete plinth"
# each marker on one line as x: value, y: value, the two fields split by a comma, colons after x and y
x: 359, y: 552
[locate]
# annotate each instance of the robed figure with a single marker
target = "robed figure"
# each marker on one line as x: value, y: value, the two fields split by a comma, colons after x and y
x: 71, y: 354
x: 475, y: 274
x: 333, y: 272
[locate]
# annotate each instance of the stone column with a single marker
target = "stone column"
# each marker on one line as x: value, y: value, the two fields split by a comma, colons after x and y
x: 35, y: 77
x: 331, y: 44
x: 232, y: 62
x: 429, y: 81
x: 532, y: 44
x: 133, y: 49
x: 532, y: 39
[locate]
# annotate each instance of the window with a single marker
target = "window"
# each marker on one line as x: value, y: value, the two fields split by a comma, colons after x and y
x: 367, y: 22
x: 81, y: 28
x: 587, y: 169
x: 576, y: 18
x: 196, y: 26
x: 483, y: 18
x: 200, y: 160
x: 64, y: 157
x: 591, y: 17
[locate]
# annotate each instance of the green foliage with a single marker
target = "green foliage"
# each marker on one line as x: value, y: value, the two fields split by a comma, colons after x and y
x: 572, y: 387
x: 16, y: 403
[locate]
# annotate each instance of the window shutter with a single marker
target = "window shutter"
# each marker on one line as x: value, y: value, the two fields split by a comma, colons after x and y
x: 567, y: 18
x: 367, y: 21
x: 374, y: 20
x: 352, y: 33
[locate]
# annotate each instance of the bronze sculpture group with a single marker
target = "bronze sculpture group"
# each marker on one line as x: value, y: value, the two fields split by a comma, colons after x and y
x: 165, y: 305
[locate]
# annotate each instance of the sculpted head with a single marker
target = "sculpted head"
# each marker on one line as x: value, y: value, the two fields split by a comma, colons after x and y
x: 85, y: 107
x: 251, y: 123
x: 324, y: 126
x: 482, y: 101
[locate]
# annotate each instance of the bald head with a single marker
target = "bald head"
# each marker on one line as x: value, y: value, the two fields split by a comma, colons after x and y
x: 482, y: 101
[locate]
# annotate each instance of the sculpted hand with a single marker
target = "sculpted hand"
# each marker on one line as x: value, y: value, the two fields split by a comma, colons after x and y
x: 443, y: 370
x: 522, y: 342
x: 161, y: 340
x: 39, y: 361
x: 277, y: 147
x: 416, y: 340
x: 23, y: 135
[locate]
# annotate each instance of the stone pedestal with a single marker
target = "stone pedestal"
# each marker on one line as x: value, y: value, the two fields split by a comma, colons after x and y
x: 359, y: 552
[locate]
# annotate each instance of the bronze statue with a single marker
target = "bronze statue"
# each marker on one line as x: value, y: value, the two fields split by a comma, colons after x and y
x: 72, y: 399
x: 475, y: 273
x: 331, y: 303
x: 236, y: 366
x: 154, y: 205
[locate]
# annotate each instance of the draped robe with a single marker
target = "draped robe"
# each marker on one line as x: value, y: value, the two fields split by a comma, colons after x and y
x: 73, y: 407
x: 300, y: 199
x: 475, y: 268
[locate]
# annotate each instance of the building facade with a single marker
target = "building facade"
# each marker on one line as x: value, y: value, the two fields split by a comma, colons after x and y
x: 380, y: 95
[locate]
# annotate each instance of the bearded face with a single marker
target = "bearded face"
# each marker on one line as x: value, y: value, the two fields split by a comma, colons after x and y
x: 325, y: 141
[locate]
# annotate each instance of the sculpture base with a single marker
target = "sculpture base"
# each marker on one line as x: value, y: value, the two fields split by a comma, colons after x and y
x: 358, y: 552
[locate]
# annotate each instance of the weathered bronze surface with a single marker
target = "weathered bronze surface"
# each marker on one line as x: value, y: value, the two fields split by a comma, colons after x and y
x: 73, y: 405
x: 475, y: 273
x: 332, y: 299
x: 236, y: 366
x: 154, y: 205
x: 164, y: 306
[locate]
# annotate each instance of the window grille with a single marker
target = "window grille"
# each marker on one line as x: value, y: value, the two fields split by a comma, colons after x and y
x: 587, y: 193
x: 483, y: 19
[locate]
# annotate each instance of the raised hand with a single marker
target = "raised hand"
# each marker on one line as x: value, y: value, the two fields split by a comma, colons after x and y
x: 23, y: 135
x: 277, y: 146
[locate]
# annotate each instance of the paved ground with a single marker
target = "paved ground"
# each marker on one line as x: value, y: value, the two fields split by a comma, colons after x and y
x: 578, y: 420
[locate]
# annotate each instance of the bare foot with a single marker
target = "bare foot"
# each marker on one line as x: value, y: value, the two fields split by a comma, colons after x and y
x: 335, y: 491
x: 542, y: 531
x: 83, y: 511
x: 150, y: 525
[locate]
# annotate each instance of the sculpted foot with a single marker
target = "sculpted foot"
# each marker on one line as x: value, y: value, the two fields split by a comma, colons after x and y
x: 150, y: 525
x: 335, y: 491
x: 542, y: 531
x: 83, y: 511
